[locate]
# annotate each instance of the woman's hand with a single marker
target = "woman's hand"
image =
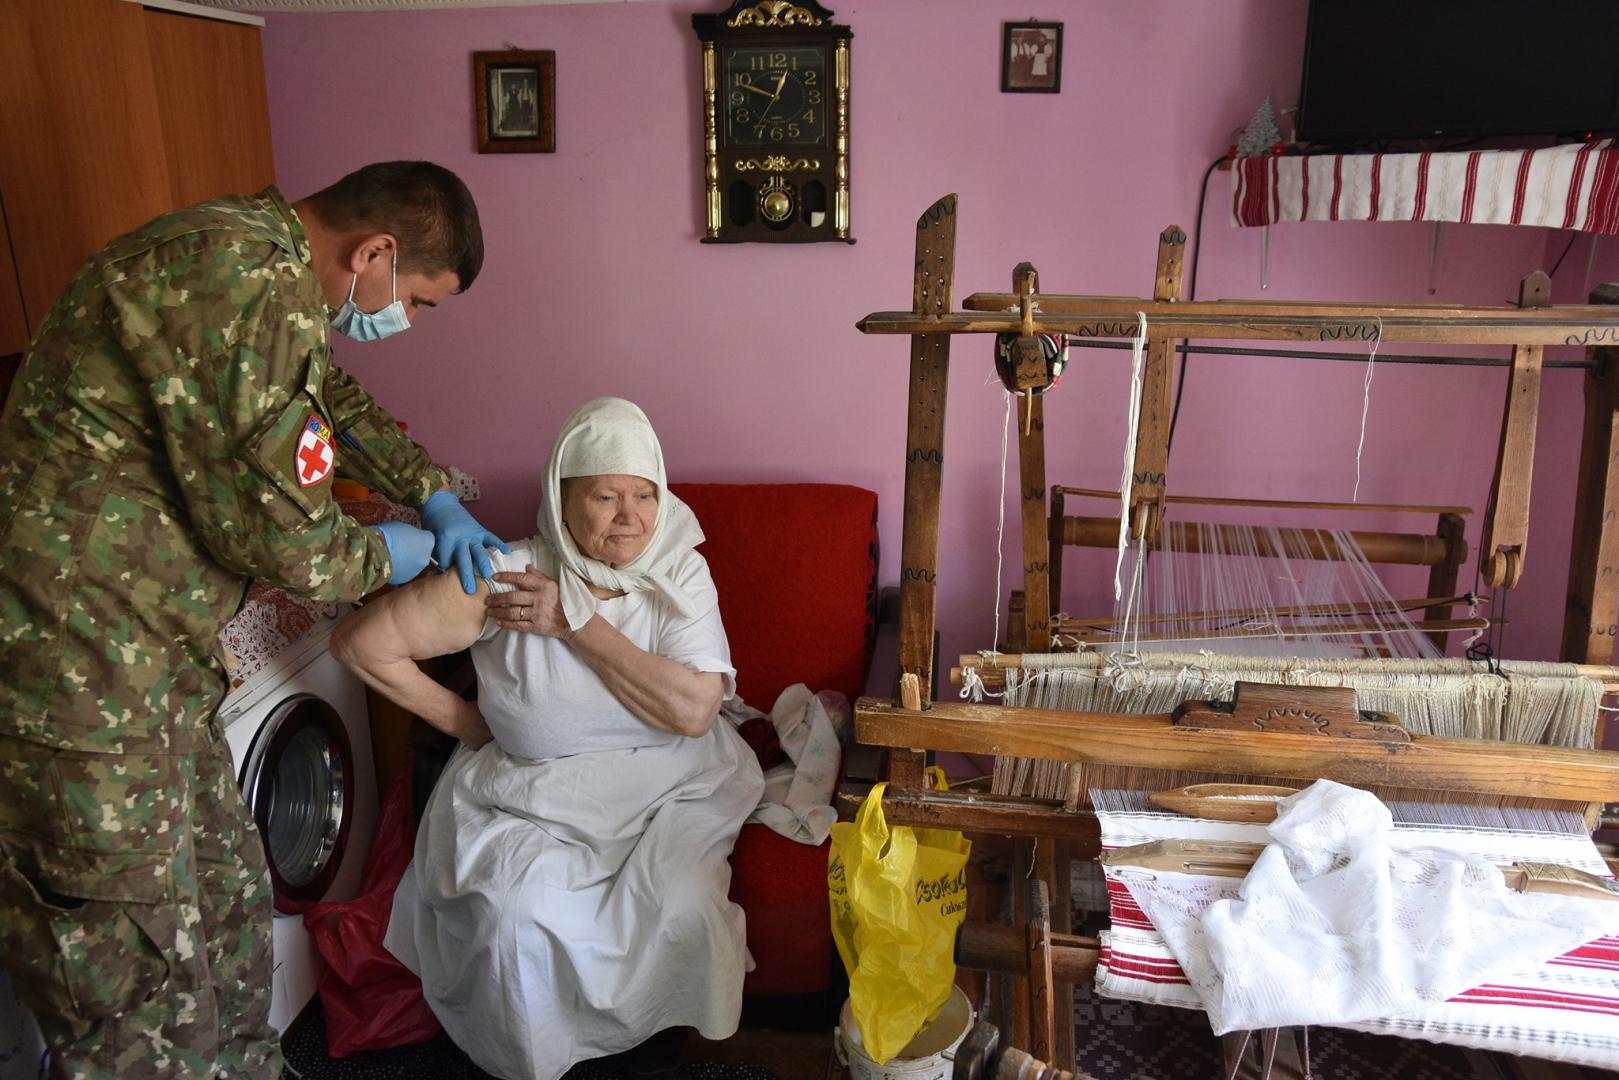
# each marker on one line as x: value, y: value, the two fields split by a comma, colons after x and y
x: 535, y: 607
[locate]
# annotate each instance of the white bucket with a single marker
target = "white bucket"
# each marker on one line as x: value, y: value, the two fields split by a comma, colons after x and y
x: 929, y: 1056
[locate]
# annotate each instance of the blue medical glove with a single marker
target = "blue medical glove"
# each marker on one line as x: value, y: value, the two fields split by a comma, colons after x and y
x: 458, y: 536
x: 408, y: 547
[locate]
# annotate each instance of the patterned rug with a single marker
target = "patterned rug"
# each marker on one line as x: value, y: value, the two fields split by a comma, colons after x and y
x: 1123, y: 1040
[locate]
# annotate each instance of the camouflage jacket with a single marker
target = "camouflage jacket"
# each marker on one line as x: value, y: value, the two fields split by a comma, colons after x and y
x: 171, y: 435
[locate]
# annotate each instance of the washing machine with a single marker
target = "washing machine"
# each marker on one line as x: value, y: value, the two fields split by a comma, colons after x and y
x: 300, y: 737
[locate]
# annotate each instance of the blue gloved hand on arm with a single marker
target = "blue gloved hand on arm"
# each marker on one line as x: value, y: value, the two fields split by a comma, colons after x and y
x: 458, y: 537
x: 409, y: 548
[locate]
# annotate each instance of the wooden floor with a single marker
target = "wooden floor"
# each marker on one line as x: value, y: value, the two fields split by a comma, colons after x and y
x: 790, y: 1055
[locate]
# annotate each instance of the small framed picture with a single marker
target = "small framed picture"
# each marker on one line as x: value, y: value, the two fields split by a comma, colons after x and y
x: 516, y: 99
x: 1031, y: 57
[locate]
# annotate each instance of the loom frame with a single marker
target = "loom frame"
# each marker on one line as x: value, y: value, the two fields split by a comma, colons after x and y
x: 913, y: 726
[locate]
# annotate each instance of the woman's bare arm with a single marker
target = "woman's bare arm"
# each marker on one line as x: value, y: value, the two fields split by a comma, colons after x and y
x: 665, y: 693
x: 661, y: 692
x: 382, y: 641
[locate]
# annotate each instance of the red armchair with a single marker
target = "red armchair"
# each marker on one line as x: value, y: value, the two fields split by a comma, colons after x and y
x: 796, y: 569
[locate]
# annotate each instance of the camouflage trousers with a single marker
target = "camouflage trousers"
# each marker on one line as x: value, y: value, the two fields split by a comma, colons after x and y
x: 135, y: 912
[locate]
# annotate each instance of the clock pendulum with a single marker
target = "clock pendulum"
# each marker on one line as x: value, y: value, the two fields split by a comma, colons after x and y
x: 775, y: 200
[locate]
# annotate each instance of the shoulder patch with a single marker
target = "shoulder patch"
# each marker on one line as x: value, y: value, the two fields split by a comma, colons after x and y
x: 314, y: 456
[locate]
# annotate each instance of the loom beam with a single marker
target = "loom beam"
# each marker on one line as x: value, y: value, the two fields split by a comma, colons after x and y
x: 991, y: 669
x: 1563, y: 325
x: 1151, y: 468
x: 1409, y: 549
x: 924, y: 456
x: 985, y: 947
x: 1341, y: 608
x: 1288, y: 504
x: 1589, y: 623
x: 1505, y: 538
x: 1036, y: 624
x: 1476, y: 766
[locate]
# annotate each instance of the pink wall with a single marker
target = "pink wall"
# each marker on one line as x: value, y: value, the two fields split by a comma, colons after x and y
x: 746, y: 356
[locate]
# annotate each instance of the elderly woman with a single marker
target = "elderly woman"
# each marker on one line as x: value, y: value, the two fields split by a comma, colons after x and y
x: 568, y: 895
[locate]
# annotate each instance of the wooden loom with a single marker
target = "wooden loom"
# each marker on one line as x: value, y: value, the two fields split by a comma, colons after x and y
x: 914, y: 725
x: 1505, y: 532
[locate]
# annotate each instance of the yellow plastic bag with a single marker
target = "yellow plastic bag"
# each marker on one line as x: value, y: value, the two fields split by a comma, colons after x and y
x: 898, y: 894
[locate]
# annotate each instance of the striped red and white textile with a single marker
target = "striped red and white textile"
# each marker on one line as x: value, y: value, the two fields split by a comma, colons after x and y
x: 1564, y: 1010
x: 1559, y: 187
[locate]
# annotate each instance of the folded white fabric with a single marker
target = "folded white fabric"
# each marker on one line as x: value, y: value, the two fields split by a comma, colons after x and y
x: 1333, y: 925
x: 798, y: 794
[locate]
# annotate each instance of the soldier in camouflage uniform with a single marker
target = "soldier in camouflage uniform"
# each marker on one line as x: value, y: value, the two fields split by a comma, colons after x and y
x: 171, y: 436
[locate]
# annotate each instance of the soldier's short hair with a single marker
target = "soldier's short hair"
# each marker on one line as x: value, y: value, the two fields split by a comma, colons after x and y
x: 425, y: 206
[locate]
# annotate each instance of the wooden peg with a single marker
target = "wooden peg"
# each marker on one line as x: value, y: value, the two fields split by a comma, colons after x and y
x: 1025, y: 278
x: 910, y: 692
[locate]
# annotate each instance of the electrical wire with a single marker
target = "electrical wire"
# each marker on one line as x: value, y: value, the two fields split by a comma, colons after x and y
x: 1553, y: 271
x: 1191, y: 294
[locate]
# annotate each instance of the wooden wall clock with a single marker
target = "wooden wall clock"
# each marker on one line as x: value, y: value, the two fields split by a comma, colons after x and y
x: 775, y: 122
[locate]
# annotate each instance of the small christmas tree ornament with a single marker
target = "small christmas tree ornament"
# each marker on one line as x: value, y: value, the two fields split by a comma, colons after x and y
x: 1261, y: 135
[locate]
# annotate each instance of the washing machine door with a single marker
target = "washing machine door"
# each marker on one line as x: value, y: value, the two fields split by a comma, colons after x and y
x: 299, y: 782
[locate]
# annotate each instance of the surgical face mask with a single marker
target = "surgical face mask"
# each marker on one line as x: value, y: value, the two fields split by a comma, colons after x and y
x: 353, y: 323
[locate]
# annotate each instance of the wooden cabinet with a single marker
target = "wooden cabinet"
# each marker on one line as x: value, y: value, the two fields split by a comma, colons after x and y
x: 210, y: 94
x: 110, y: 114
x: 13, y: 326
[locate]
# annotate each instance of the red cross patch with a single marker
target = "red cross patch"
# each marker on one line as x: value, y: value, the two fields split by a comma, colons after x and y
x: 314, y: 457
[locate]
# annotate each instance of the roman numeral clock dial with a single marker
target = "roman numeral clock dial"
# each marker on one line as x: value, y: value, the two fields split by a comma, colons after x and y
x: 776, y: 122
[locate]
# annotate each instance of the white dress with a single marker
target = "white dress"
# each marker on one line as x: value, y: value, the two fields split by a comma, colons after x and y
x: 568, y: 894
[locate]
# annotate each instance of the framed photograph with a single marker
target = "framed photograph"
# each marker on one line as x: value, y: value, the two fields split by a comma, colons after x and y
x: 516, y: 99
x: 1031, y: 57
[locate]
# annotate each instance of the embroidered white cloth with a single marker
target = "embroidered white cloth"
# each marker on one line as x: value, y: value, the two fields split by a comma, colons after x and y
x: 1558, y: 187
x: 1371, y: 929
x: 1564, y: 1008
x: 611, y: 436
x: 270, y: 621
x: 797, y: 801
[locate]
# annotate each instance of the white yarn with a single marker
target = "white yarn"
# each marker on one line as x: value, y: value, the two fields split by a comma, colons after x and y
x: 1472, y: 613
x: 1000, y: 520
x: 1130, y: 627
x: 1138, y: 349
x: 1548, y: 704
x: 973, y: 687
x: 1366, y: 404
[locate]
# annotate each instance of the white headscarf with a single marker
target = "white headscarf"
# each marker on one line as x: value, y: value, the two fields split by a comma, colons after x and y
x: 613, y: 436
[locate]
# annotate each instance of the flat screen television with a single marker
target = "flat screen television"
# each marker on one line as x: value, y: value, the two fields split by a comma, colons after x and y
x: 1415, y: 69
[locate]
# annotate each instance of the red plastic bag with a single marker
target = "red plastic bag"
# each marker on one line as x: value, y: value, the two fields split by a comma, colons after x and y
x: 371, y: 1000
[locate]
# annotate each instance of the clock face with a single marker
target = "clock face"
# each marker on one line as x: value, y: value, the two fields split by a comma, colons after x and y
x: 775, y: 96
